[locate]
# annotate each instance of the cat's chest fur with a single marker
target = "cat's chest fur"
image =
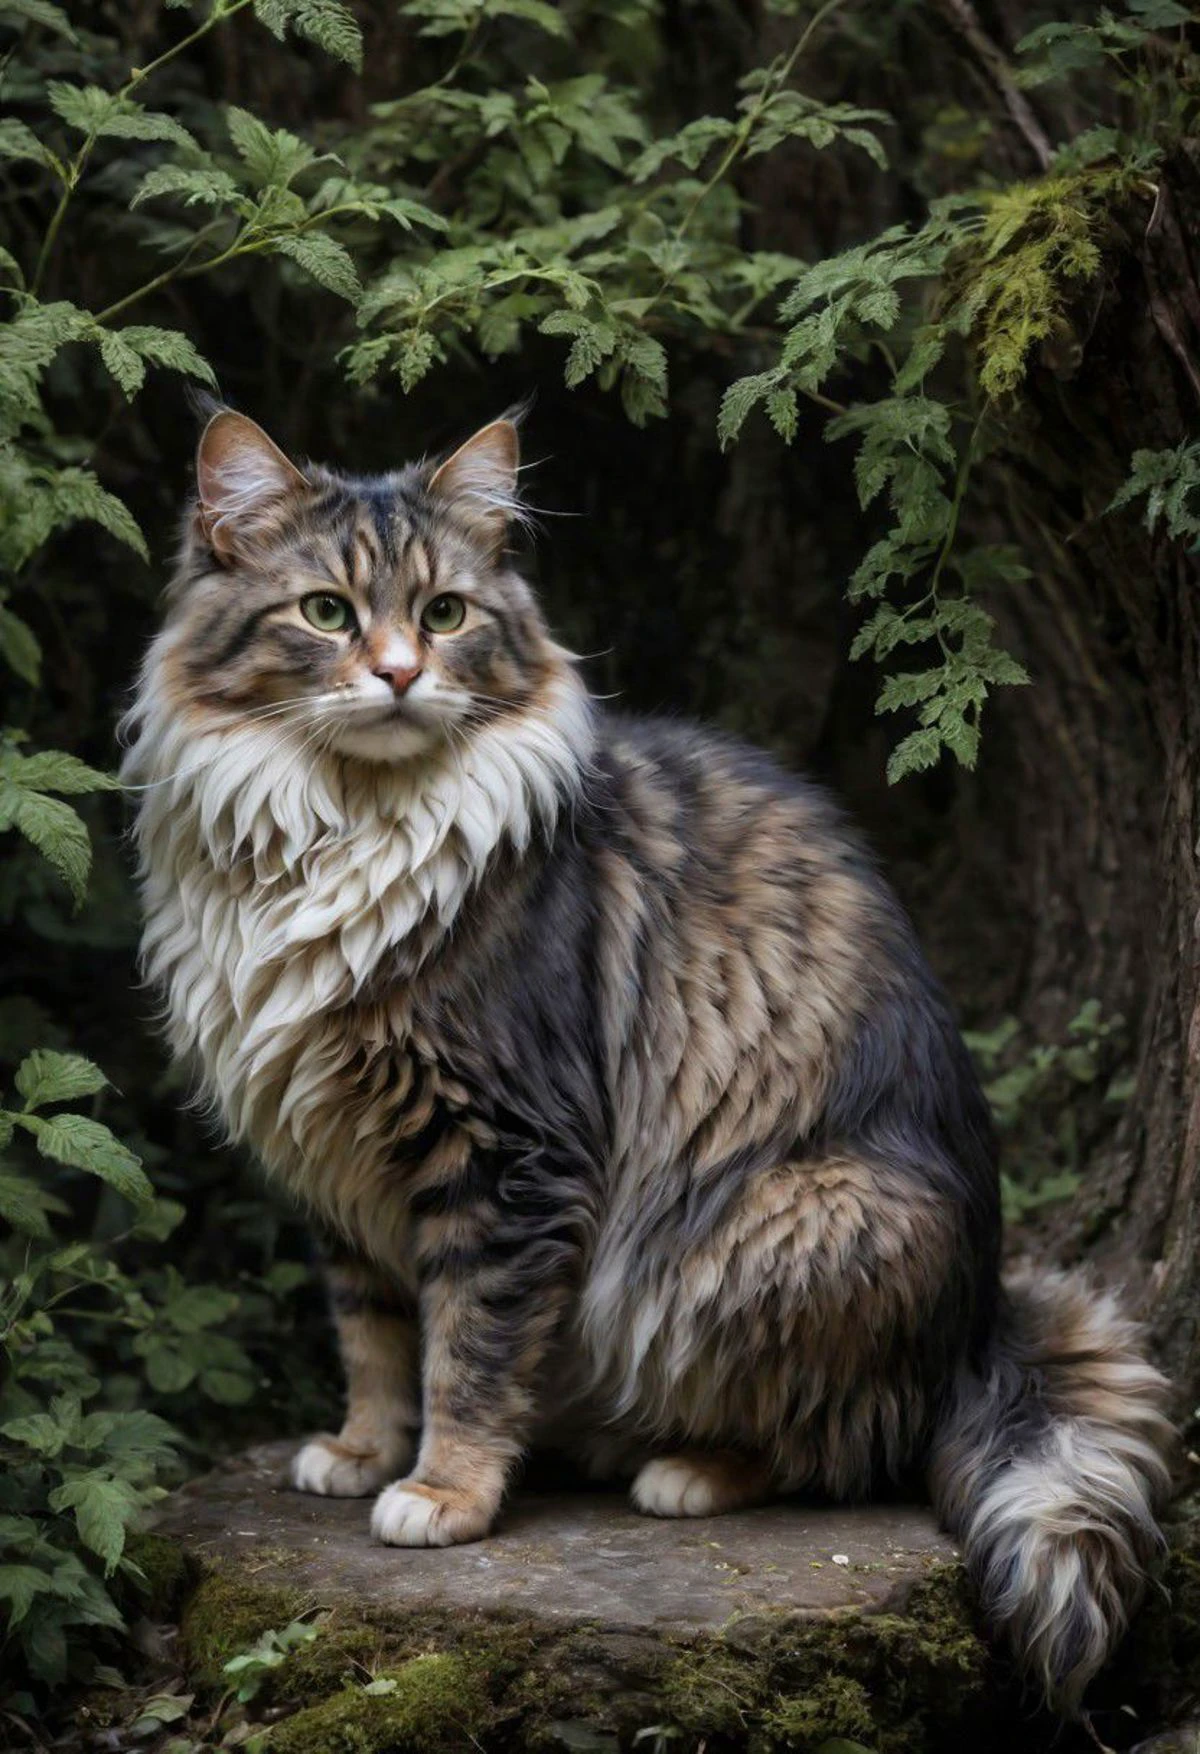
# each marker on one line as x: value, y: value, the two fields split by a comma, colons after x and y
x: 276, y: 892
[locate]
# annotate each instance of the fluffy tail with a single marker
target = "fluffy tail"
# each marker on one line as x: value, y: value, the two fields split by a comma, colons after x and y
x: 1048, y: 1468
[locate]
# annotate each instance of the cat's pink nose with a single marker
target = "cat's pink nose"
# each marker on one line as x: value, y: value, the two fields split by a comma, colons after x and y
x: 400, y: 676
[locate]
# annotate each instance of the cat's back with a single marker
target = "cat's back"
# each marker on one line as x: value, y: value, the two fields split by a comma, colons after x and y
x: 719, y: 838
x: 758, y: 970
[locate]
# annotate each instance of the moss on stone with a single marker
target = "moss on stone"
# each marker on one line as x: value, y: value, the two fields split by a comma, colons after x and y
x: 167, y: 1573
x: 882, y: 1678
x: 711, y: 1690
x: 435, y: 1704
x: 837, y: 1707
x: 767, y: 1684
x: 224, y: 1616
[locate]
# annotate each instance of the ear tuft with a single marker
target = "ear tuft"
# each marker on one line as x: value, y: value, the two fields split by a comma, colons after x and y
x: 241, y: 477
x: 480, y: 481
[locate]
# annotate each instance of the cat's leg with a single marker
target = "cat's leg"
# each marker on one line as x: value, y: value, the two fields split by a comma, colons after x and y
x: 491, y: 1302
x: 377, y: 1337
x: 701, y: 1483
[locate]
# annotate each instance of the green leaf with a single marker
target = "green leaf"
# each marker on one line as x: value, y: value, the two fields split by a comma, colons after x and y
x: 595, y: 338
x: 167, y: 1370
x: 17, y: 141
x: 200, y: 1306
x: 26, y: 1206
x: 103, y: 1509
x: 917, y: 751
x: 691, y: 145
x: 41, y: 1432
x: 325, y: 260
x: 53, y: 828
x: 272, y: 156
x: 122, y: 361
x: 19, y: 1584
x: 19, y: 646
x: 41, y: 12
x: 204, y: 184
x: 86, y: 1144
x: 53, y: 770
x: 327, y: 23
x: 741, y: 398
x: 135, y: 123
x: 125, y: 352
x: 46, y: 1076
x: 228, y: 1388
x: 95, y: 112
x: 161, y: 1221
x: 1169, y: 482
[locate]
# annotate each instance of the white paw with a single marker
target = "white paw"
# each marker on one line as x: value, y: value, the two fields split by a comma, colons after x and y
x: 408, y: 1519
x: 410, y: 1514
x: 673, y: 1486
x: 325, y: 1466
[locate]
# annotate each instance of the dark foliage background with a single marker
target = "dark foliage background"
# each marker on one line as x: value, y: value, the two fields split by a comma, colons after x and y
x: 1011, y: 349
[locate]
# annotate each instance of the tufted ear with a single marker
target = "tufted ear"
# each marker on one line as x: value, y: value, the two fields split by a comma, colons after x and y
x: 480, y: 481
x: 241, y: 478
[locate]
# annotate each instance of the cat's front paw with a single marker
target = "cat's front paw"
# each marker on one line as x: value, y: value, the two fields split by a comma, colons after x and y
x: 410, y: 1514
x: 341, y: 1470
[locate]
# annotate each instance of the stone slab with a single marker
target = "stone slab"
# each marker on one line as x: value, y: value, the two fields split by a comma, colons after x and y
x: 568, y: 1557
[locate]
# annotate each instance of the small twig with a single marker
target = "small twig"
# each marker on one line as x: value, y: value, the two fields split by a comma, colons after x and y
x: 963, y: 19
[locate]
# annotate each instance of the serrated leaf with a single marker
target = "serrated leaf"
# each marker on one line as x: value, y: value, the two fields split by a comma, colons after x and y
x: 325, y: 260
x: 272, y: 156
x: 20, y: 142
x: 103, y: 1508
x: 169, y: 348
x: 917, y: 751
x: 741, y: 398
x: 19, y: 1584
x: 206, y: 184
x: 53, y: 770
x: 122, y: 361
x: 82, y: 1143
x: 53, y: 828
x: 327, y: 23
x: 26, y: 1206
x: 39, y: 1432
x: 47, y: 1076
x: 41, y: 12
x: 98, y: 113
x: 784, y: 414
x: 135, y: 123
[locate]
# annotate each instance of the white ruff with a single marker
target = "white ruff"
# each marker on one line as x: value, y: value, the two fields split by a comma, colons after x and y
x: 277, y: 882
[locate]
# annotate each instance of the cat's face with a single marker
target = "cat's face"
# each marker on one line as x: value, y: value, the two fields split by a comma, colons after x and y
x: 377, y: 616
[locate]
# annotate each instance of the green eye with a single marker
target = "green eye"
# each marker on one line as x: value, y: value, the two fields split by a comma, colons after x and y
x: 327, y: 613
x: 443, y: 614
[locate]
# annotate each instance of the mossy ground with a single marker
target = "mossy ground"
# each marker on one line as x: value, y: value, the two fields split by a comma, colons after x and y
x: 921, y: 1679
x: 915, y: 1680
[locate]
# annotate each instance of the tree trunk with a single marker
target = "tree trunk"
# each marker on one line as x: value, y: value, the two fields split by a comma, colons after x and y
x: 1108, y: 756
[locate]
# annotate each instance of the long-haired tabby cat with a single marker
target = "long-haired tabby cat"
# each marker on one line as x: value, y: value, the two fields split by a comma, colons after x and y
x: 603, y: 1058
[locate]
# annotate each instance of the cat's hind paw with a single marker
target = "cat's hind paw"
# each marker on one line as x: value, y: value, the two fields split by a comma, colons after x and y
x: 699, y: 1483
x: 335, y: 1469
x: 410, y: 1514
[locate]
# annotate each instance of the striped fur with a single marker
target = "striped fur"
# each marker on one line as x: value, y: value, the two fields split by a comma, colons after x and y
x: 608, y: 1059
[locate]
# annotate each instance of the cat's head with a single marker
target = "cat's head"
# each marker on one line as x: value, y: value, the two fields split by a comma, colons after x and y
x: 378, y: 613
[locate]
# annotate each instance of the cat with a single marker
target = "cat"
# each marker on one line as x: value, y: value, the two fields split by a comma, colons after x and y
x: 604, y: 1059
